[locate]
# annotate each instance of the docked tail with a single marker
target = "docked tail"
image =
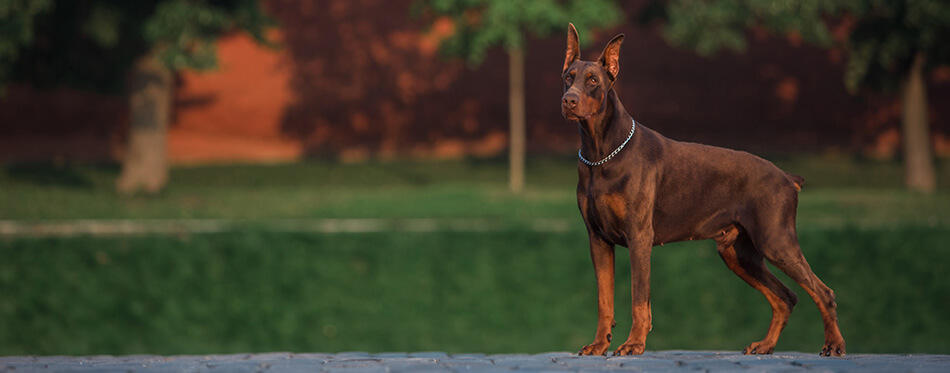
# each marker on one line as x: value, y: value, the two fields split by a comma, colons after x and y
x: 797, y: 180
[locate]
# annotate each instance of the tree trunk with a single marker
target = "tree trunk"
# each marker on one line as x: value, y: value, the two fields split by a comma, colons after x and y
x: 516, y: 120
x: 145, y: 167
x: 918, y: 159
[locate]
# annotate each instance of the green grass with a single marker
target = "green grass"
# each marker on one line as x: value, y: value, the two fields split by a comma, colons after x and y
x: 456, y: 292
x: 302, y: 190
x: 475, y: 188
x: 884, y: 251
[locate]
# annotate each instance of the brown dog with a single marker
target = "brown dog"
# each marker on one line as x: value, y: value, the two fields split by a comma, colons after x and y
x: 639, y: 189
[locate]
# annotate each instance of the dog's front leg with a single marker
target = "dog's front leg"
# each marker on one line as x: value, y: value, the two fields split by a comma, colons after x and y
x: 640, y: 251
x: 602, y: 254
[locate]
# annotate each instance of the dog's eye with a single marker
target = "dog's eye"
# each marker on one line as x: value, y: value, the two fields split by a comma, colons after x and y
x: 592, y: 80
x: 568, y: 79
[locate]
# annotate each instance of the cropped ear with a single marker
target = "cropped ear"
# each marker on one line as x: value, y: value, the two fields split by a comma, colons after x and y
x: 610, y: 58
x: 573, y: 48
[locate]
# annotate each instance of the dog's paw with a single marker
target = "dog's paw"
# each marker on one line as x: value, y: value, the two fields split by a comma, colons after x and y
x: 759, y: 348
x: 630, y: 349
x: 833, y: 349
x: 596, y: 348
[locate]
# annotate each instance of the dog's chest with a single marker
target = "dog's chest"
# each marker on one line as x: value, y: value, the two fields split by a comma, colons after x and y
x: 605, y: 206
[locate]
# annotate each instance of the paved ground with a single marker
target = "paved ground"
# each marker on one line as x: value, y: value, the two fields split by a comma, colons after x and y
x: 662, y: 361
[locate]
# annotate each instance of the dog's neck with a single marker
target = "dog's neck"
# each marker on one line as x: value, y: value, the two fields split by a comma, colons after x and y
x: 604, y: 131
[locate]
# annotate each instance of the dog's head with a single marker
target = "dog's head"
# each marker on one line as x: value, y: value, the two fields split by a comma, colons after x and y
x: 586, y: 83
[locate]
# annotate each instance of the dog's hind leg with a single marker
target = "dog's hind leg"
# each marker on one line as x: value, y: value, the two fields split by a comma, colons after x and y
x: 780, y: 247
x: 741, y: 256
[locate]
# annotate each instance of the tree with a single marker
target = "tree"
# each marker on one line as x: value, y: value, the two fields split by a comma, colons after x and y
x: 130, y: 47
x: 480, y: 25
x: 891, y: 45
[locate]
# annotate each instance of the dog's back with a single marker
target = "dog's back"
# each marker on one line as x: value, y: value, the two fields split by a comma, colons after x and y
x: 701, y: 188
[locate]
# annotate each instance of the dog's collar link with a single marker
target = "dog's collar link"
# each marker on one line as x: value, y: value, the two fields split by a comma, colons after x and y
x: 611, y: 155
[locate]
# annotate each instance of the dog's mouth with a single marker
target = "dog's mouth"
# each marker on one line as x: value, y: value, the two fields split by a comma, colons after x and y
x: 572, y: 116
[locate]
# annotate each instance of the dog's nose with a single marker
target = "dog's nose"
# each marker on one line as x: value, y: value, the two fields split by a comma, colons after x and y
x: 569, y: 101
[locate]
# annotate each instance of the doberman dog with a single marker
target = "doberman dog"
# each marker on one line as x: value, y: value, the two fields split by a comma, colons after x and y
x: 638, y: 189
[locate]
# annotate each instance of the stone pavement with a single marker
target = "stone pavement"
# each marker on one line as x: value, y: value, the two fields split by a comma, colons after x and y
x: 661, y: 361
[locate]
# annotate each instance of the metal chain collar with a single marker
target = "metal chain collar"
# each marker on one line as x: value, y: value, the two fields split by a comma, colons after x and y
x: 592, y: 164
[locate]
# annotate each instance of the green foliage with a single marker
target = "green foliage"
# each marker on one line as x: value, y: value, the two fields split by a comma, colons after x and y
x: 16, y: 24
x: 885, y: 36
x: 92, y: 44
x: 16, y: 30
x: 102, y: 25
x: 708, y: 26
x: 483, y: 24
x: 184, y: 32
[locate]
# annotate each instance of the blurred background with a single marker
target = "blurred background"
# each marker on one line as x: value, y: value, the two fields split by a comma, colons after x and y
x: 186, y: 176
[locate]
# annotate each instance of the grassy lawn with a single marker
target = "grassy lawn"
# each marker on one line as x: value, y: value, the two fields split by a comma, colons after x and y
x: 842, y: 191
x: 884, y: 251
